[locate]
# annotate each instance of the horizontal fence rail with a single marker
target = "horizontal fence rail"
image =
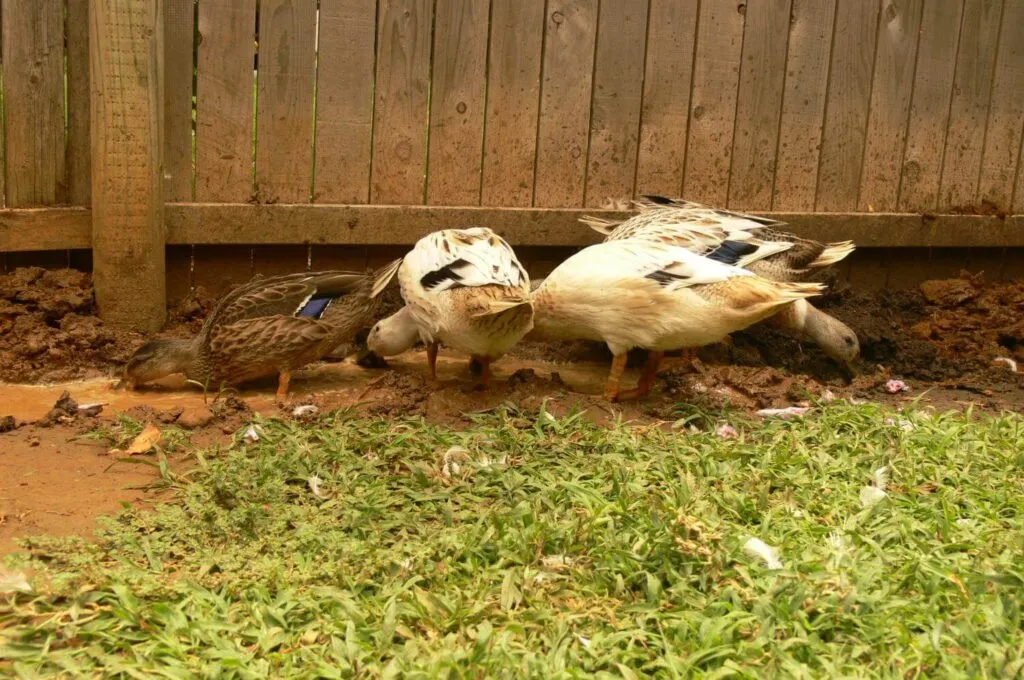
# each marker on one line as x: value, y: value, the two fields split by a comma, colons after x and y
x: 284, y: 224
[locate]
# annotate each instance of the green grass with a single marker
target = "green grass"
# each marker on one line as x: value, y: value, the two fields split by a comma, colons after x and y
x: 554, y: 549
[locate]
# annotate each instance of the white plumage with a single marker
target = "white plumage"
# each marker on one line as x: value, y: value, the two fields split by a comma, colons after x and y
x: 659, y: 297
x: 464, y: 288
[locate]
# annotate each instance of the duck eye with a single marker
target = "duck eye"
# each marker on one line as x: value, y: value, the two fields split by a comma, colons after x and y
x: 849, y: 341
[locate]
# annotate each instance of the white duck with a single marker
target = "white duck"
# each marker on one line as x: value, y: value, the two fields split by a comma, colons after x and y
x: 757, y: 243
x: 463, y: 288
x: 636, y: 293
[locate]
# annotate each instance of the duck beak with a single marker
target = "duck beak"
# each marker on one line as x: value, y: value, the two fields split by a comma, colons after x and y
x: 849, y: 370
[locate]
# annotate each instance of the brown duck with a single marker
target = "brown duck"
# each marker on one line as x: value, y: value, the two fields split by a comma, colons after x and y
x: 265, y: 327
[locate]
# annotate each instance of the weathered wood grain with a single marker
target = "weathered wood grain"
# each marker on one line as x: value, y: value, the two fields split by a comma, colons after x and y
x: 401, y: 114
x: 126, y: 72
x: 713, y: 105
x: 284, y: 105
x: 562, y: 133
x: 393, y: 224
x: 79, y: 164
x: 179, y: 28
x: 929, y: 106
x: 513, y: 89
x: 1001, y: 156
x: 457, y: 102
x: 968, y: 111
x: 846, y: 108
x: 33, y: 58
x: 759, y: 104
x: 27, y: 229
x: 665, y: 115
x: 618, y: 87
x: 243, y: 224
x: 803, y: 105
x: 344, y: 104
x: 224, y: 100
x: 890, y: 102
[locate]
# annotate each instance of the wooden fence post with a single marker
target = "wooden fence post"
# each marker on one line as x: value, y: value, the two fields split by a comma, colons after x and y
x: 126, y: 99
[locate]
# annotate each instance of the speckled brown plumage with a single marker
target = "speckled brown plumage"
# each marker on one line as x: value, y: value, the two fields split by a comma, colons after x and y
x: 266, y: 327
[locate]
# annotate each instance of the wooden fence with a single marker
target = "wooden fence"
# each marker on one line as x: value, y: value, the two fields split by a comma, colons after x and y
x: 370, y: 122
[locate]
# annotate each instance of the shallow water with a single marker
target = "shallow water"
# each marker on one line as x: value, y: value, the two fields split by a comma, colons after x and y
x: 344, y: 380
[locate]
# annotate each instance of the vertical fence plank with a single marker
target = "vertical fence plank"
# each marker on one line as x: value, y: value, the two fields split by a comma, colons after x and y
x: 125, y: 69
x: 458, y: 92
x: 78, y: 151
x: 178, y: 38
x: 618, y: 86
x: 758, y: 104
x: 890, y: 101
x: 224, y: 100
x: 33, y: 57
x: 1018, y: 201
x: 344, y: 100
x: 929, y: 106
x: 566, y: 89
x: 284, y: 105
x: 968, y: 111
x: 803, y: 104
x: 1001, y: 155
x: 513, y: 85
x: 846, y: 108
x: 713, y: 107
x: 665, y: 115
x: 400, y: 114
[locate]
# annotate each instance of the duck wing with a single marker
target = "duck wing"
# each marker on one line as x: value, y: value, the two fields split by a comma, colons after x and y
x: 305, y: 295
x: 462, y: 258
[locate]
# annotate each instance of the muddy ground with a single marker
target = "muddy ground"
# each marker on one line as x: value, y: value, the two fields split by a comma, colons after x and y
x: 941, y: 340
x: 948, y: 332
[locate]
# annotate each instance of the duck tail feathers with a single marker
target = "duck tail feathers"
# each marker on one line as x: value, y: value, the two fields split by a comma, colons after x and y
x: 600, y: 225
x: 495, y: 307
x: 383, y: 277
x: 833, y: 252
x: 789, y: 292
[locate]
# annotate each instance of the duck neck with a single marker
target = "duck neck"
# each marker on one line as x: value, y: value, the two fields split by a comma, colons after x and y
x: 551, y: 321
x: 188, y: 356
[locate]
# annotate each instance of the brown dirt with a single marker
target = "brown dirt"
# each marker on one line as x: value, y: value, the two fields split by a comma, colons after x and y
x: 55, y: 483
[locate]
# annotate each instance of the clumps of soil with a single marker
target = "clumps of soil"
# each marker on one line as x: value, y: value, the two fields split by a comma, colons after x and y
x: 49, y: 331
x: 66, y: 411
x: 407, y: 395
x: 971, y: 323
x: 944, y: 330
x: 743, y: 387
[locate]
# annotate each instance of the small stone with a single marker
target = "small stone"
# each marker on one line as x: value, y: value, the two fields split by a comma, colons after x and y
x: 169, y: 416
x: 192, y: 418
x: 948, y: 293
x: 7, y: 423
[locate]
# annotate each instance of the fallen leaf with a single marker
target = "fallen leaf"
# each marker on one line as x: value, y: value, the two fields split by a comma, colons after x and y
x: 14, y: 582
x: 146, y: 440
x: 784, y: 413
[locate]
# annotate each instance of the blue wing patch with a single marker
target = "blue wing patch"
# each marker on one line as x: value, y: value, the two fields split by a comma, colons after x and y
x: 315, y: 307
